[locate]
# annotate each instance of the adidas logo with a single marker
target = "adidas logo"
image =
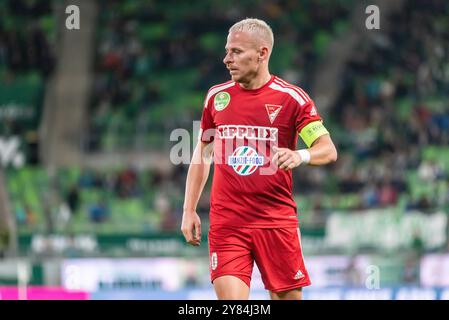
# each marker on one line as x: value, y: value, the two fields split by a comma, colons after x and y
x: 298, y: 275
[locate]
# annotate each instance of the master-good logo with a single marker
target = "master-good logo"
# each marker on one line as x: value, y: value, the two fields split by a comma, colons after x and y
x: 221, y: 100
x: 245, y: 160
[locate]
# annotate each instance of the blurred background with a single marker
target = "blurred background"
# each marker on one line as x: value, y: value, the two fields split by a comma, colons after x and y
x: 91, y: 205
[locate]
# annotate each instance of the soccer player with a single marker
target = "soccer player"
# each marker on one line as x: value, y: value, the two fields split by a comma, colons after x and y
x: 250, y: 127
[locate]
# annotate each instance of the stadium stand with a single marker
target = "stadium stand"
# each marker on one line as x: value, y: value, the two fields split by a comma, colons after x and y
x: 152, y: 65
x: 137, y: 69
x: 26, y: 60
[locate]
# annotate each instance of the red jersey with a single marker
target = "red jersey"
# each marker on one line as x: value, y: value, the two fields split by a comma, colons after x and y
x: 247, y: 189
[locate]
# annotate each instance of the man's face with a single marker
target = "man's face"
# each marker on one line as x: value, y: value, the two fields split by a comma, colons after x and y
x: 242, y: 56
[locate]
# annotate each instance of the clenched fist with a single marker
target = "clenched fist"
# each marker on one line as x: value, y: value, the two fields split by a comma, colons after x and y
x: 286, y: 159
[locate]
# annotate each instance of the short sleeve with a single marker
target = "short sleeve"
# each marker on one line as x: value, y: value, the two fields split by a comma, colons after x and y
x: 207, y: 130
x: 307, y: 113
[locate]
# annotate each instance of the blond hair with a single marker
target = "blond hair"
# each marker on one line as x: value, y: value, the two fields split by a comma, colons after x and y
x: 255, y: 27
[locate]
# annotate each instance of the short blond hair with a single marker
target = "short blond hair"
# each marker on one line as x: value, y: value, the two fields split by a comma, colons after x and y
x: 255, y: 27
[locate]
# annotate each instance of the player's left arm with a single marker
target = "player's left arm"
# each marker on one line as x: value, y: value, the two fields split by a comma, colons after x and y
x: 321, y: 149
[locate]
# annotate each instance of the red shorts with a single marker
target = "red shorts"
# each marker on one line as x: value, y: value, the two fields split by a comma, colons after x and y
x: 277, y: 252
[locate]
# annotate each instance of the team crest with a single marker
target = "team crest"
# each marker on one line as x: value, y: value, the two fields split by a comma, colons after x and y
x: 273, y: 111
x: 221, y: 100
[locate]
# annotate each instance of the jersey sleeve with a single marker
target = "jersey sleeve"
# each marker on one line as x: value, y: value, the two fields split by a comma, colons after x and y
x: 307, y: 114
x: 207, y: 127
x: 309, y: 123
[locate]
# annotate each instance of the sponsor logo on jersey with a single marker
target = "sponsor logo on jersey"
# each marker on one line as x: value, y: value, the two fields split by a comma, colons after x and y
x: 273, y: 111
x: 245, y: 160
x: 248, y: 132
x: 221, y: 100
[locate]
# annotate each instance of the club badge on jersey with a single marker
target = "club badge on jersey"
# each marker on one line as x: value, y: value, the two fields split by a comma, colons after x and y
x: 273, y: 111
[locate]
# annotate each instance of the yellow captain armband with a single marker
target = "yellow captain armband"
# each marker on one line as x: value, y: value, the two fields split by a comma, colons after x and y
x: 312, y: 131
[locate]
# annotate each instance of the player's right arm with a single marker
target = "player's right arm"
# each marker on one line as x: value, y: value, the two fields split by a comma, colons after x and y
x: 196, y: 179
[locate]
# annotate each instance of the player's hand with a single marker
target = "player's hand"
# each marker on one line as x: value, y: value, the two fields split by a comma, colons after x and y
x: 191, y: 227
x: 286, y: 159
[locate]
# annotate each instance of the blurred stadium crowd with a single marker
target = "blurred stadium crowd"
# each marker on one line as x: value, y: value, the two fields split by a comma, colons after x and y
x: 391, y: 121
x: 153, y: 64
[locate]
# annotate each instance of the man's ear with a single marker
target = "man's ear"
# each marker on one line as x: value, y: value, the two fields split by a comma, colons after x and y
x: 263, y: 53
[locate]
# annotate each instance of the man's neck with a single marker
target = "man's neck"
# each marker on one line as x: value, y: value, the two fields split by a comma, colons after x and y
x: 257, y: 82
